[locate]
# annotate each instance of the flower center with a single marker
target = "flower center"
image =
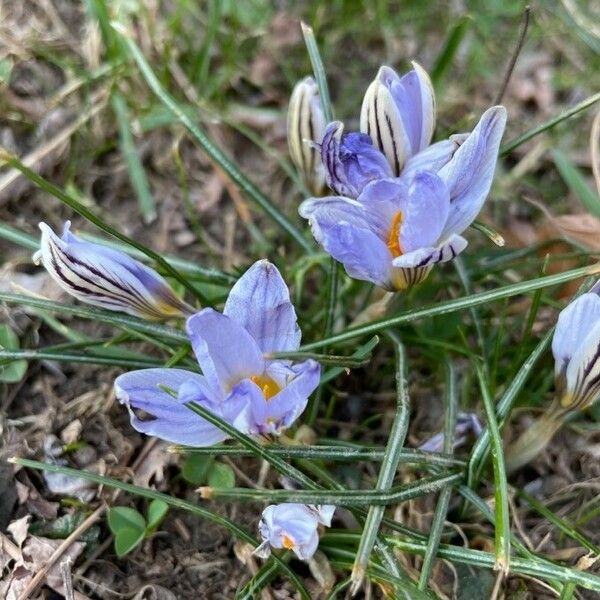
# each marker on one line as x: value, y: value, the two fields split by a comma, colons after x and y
x: 288, y: 542
x: 393, y: 241
x: 268, y: 387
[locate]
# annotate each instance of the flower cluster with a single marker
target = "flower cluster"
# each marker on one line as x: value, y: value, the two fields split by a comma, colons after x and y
x: 401, y: 204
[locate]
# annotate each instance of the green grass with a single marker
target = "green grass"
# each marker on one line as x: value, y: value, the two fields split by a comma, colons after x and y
x: 475, y: 337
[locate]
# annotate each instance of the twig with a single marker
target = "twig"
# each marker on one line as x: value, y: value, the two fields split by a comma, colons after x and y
x: 67, y: 542
x: 515, y: 56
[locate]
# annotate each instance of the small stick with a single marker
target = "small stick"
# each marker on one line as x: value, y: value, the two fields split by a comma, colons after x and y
x: 515, y: 56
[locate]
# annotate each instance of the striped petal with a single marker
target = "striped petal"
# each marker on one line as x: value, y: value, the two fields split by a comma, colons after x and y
x: 104, y: 277
x: 398, y: 113
x: 305, y: 128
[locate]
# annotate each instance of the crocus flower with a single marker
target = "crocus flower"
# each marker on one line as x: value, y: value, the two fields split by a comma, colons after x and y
x: 293, y: 527
x: 465, y: 423
x: 576, y: 349
x: 398, y: 228
x: 398, y: 113
x: 104, y: 277
x: 305, y: 128
x: 240, y: 383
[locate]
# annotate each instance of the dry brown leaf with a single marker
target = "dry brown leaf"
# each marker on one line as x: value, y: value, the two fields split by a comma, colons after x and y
x: 19, y: 528
x: 582, y: 228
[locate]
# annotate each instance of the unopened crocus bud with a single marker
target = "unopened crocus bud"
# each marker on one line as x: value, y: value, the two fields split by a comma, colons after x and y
x: 104, y: 277
x: 305, y: 128
x: 576, y: 349
x: 398, y: 113
x: 293, y: 527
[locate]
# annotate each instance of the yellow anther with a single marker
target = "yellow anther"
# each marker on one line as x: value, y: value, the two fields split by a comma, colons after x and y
x: 393, y: 241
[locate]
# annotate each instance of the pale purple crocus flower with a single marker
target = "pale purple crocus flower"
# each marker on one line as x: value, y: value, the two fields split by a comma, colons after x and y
x: 305, y: 128
x: 398, y: 113
x: 240, y: 382
x: 292, y: 527
x: 466, y: 423
x: 397, y: 228
x: 576, y: 349
x: 102, y: 276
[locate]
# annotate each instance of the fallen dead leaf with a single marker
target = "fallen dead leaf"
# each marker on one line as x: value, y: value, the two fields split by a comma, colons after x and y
x: 19, y: 528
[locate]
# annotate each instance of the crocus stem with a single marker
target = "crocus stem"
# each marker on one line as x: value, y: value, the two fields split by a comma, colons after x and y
x: 533, y: 440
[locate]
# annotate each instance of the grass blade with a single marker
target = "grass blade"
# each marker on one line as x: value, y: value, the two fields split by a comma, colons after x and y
x: 82, y: 210
x: 137, y: 174
x: 576, y: 182
x: 450, y: 48
x: 389, y: 466
x: 502, y: 523
x: 531, y: 133
x: 97, y: 314
x: 393, y: 495
x: 441, y: 510
x: 454, y: 305
x: 195, y: 509
x: 318, y: 70
x: 212, y: 151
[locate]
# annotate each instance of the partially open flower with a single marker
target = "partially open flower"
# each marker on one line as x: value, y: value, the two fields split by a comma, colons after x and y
x: 351, y: 161
x: 240, y: 383
x: 398, y: 228
x: 576, y: 349
x: 398, y: 113
x: 305, y: 128
x: 104, y: 277
x: 293, y: 527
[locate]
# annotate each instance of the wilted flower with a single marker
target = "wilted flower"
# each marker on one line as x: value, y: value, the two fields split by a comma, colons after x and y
x: 576, y: 349
x: 240, y: 384
x: 104, y: 277
x: 305, y: 127
x: 466, y: 423
x: 293, y: 527
x: 398, y: 113
x: 398, y: 228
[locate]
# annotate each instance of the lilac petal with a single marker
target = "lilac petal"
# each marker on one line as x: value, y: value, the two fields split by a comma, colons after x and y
x: 583, y: 371
x: 363, y: 254
x: 104, y: 277
x: 260, y: 303
x: 289, y: 523
x: 330, y: 211
x: 277, y: 413
x: 170, y: 420
x: 234, y: 409
x: 324, y: 513
x: 414, y: 97
x: 574, y: 324
x: 469, y: 174
x: 226, y: 352
x: 426, y: 212
x: 350, y: 160
x: 433, y: 158
x: 424, y: 257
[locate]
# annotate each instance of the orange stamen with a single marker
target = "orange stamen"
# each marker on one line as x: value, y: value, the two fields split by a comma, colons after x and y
x: 393, y: 241
x: 268, y: 387
x: 288, y: 542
